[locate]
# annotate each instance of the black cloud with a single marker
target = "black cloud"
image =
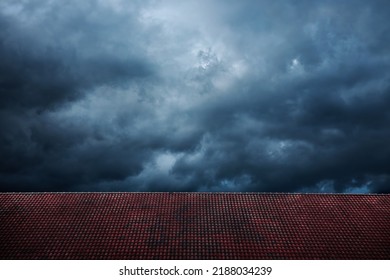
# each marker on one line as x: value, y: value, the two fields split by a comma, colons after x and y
x: 195, y: 96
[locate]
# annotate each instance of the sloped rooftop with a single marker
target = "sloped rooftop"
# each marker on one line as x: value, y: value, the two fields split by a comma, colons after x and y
x: 193, y: 226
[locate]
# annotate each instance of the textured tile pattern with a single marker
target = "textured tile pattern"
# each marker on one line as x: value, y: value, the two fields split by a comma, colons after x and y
x: 193, y: 226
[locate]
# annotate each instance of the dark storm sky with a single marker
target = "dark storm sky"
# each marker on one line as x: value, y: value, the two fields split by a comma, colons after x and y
x: 195, y: 95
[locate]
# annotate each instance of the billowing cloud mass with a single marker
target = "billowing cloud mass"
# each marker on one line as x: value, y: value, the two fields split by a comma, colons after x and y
x: 195, y: 95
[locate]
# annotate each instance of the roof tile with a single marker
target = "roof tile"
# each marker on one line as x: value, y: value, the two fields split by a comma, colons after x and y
x: 194, y: 226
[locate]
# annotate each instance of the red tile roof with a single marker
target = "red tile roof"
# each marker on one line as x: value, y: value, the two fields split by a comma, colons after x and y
x: 193, y: 226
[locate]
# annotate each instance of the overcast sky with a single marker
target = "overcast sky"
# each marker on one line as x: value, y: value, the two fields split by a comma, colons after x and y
x: 195, y: 95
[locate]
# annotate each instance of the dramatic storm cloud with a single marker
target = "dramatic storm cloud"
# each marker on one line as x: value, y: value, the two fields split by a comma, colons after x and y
x: 195, y: 95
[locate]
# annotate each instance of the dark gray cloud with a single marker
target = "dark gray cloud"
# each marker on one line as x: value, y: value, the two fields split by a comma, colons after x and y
x: 195, y: 96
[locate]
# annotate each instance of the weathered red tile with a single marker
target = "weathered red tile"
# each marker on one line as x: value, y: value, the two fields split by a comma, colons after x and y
x: 193, y: 226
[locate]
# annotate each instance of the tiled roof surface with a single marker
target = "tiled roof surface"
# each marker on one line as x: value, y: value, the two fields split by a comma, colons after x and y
x: 193, y: 226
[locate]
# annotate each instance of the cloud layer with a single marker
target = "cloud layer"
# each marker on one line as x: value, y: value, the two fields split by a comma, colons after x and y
x: 195, y: 96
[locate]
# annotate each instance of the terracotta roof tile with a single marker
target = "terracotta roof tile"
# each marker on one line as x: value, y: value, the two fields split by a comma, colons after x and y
x: 193, y: 226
